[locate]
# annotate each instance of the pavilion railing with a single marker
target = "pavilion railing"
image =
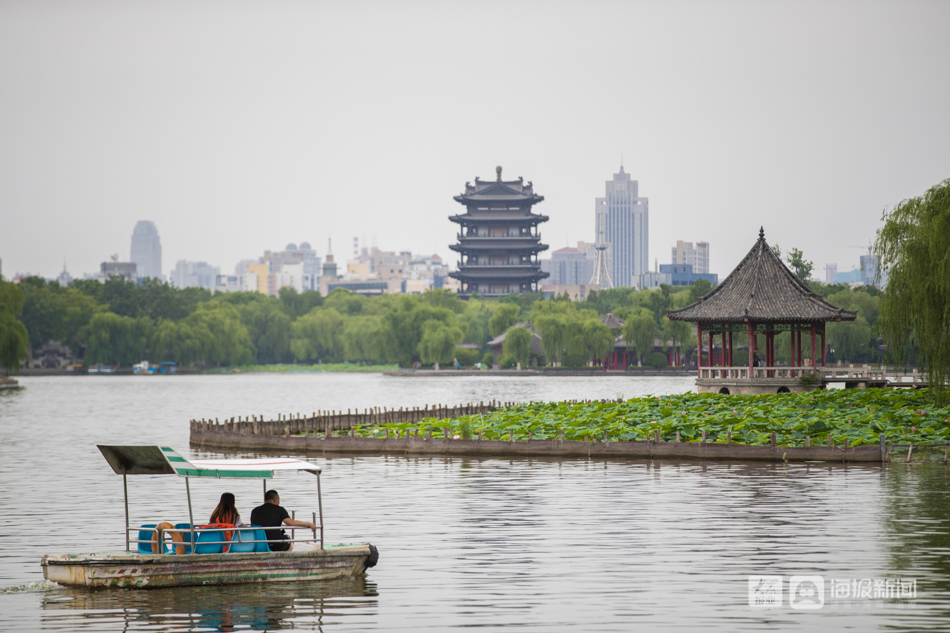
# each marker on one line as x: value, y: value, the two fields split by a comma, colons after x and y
x: 835, y: 373
x: 783, y: 373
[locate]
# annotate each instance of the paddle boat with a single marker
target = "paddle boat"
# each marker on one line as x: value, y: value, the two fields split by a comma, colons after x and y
x: 181, y: 554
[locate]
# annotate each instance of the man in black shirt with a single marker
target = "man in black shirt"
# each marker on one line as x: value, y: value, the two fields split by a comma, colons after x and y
x: 271, y: 514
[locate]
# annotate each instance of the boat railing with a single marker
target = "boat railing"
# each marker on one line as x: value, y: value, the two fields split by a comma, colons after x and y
x: 238, y: 537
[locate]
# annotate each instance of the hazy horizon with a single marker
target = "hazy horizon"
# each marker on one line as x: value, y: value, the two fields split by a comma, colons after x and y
x: 240, y: 127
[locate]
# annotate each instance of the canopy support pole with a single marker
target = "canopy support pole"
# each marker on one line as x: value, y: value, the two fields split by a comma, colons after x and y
x: 265, y: 486
x: 320, y: 508
x: 191, y: 518
x: 125, y: 493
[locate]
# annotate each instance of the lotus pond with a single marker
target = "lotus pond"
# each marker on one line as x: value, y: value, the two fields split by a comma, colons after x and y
x: 850, y: 416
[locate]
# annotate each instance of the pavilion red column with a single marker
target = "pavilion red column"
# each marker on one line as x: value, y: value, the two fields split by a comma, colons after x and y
x: 791, y: 359
x: 699, y: 350
x: 823, y: 345
x: 730, y: 348
x: 800, y: 362
x: 814, y: 364
x: 711, y: 336
x: 752, y: 345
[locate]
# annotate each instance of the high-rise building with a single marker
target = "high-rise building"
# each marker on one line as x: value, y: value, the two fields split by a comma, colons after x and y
x: 498, y: 239
x: 869, y: 276
x: 696, y: 256
x: 623, y: 218
x: 831, y: 271
x: 146, y: 250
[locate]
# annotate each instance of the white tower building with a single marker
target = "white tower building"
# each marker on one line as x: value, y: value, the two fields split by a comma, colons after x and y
x: 623, y: 218
x: 146, y: 250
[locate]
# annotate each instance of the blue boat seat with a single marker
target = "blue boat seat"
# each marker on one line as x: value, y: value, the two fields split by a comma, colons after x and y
x: 209, y: 542
x: 237, y: 546
x: 186, y: 536
x: 148, y: 535
x: 260, y: 535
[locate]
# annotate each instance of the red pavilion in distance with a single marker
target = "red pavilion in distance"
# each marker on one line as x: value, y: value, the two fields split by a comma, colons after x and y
x: 760, y: 297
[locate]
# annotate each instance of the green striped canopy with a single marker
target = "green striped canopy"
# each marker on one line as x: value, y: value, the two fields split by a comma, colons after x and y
x: 162, y: 460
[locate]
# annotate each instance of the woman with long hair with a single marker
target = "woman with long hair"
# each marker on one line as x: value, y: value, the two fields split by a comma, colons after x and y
x: 226, y: 512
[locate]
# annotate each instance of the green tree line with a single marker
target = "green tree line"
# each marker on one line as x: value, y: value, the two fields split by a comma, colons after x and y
x: 122, y: 322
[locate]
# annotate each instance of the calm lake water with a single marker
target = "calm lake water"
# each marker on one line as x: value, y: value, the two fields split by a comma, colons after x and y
x: 526, y: 544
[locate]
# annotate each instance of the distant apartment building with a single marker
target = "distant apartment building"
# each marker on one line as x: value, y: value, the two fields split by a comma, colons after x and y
x: 194, y: 275
x: 116, y: 268
x: 146, y: 250
x: 235, y: 283
x: 296, y: 267
x: 696, y: 256
x: 623, y: 218
x: 568, y: 266
x: 674, y: 275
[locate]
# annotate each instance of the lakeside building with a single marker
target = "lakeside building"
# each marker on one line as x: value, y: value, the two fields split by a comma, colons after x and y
x: 498, y: 240
x: 146, y: 250
x: 760, y: 296
x: 622, y: 217
x: 697, y: 256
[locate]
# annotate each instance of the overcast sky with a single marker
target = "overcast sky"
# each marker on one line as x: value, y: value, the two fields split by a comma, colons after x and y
x: 241, y: 126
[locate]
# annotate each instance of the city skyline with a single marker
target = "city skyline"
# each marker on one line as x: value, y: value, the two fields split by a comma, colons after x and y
x: 725, y: 116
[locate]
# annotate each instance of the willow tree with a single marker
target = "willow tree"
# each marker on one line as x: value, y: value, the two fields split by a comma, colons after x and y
x: 914, y: 250
x: 517, y: 345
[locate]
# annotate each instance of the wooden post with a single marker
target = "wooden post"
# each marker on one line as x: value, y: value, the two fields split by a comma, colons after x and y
x: 479, y: 435
x: 831, y: 440
x: 511, y: 435
x: 884, y: 453
x: 677, y: 436
x: 704, y: 437
x: 560, y: 435
x: 729, y: 437
x: 807, y: 441
x: 772, y: 439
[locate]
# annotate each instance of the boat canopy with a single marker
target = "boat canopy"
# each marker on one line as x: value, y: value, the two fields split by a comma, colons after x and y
x: 162, y: 460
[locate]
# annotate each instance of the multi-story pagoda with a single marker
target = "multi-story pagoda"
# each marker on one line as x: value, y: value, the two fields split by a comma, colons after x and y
x: 499, y: 240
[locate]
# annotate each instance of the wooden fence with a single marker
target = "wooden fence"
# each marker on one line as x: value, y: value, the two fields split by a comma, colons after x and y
x: 321, y: 422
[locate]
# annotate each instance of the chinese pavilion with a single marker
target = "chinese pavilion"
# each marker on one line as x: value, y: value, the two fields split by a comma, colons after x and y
x: 499, y: 240
x: 761, y: 297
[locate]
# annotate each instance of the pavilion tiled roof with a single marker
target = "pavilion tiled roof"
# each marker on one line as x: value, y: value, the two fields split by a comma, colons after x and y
x: 761, y: 289
x: 612, y: 321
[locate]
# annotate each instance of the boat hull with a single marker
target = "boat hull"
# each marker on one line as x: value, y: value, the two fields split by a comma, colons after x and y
x: 148, y: 571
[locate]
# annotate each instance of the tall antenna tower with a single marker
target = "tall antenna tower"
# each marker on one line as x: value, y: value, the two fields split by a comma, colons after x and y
x: 601, y: 276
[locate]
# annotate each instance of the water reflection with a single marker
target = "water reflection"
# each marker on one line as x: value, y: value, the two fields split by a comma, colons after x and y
x: 238, y: 607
